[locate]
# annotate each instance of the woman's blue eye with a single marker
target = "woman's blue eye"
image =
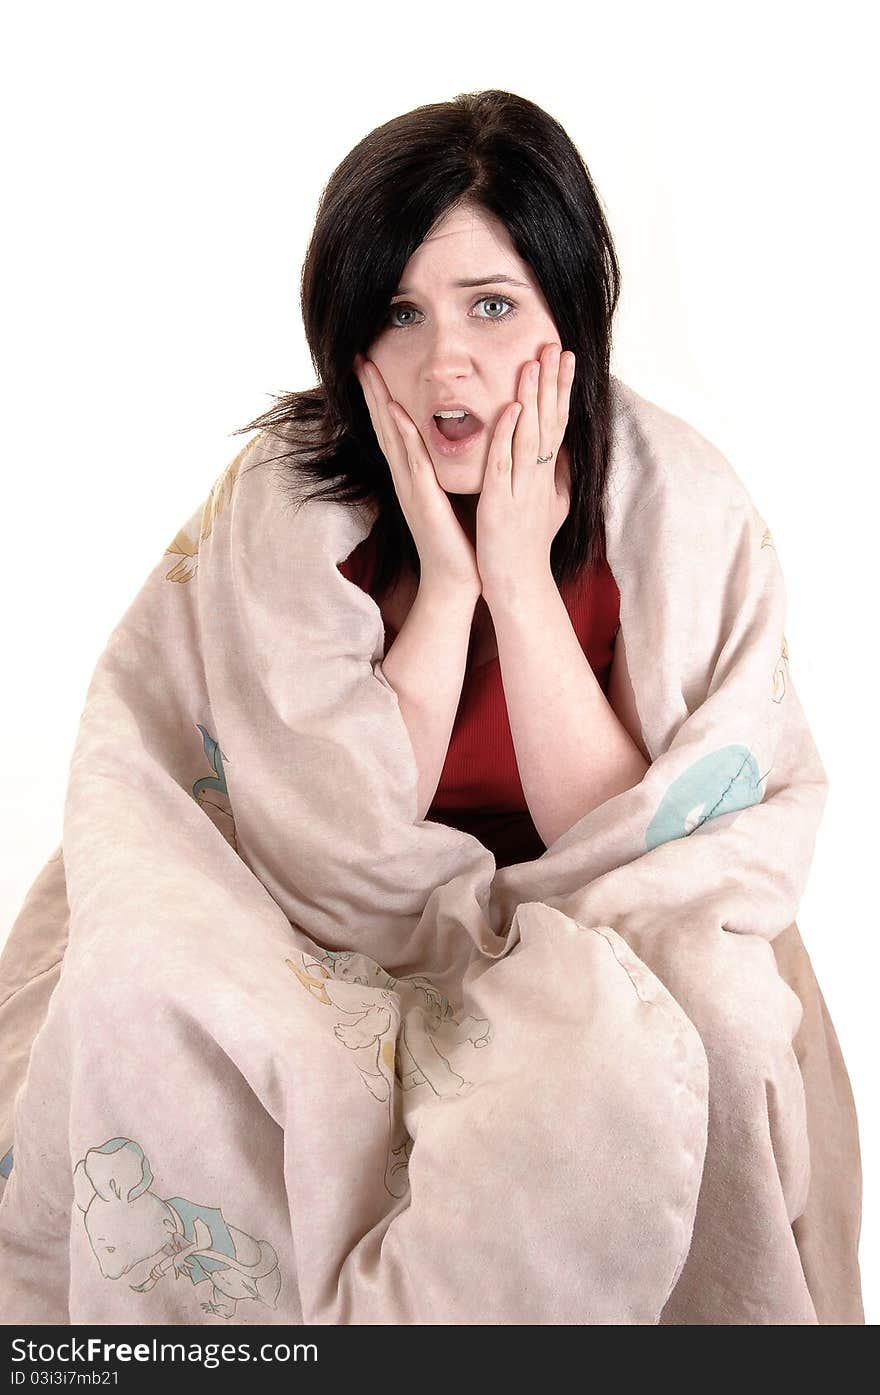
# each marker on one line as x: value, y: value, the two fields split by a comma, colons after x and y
x: 490, y: 319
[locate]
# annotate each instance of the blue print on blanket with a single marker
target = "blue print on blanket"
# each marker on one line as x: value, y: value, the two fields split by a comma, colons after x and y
x: 129, y: 1225
x: 212, y: 791
x: 6, y: 1164
x: 720, y: 783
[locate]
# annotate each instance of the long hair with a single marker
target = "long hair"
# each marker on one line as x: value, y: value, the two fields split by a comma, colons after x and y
x: 491, y: 149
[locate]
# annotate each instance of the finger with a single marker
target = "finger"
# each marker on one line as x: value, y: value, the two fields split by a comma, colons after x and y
x: 525, y: 447
x: 563, y: 395
x: 388, y: 431
x: 414, y: 448
x: 554, y: 371
x: 548, y: 423
x: 528, y: 426
x: 501, y: 450
x: 371, y: 399
x: 393, y: 439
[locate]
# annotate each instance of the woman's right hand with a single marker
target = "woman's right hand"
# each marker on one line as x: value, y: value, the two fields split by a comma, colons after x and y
x: 446, y: 554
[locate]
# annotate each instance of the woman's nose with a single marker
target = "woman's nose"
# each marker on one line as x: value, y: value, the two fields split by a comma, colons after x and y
x: 446, y: 357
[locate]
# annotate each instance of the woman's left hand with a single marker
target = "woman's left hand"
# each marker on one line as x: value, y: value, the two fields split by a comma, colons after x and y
x: 523, y: 503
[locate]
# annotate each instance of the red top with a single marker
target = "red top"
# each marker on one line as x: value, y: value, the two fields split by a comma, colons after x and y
x: 480, y: 791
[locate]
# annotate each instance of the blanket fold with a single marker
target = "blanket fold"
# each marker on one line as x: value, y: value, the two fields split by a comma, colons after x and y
x: 274, y: 1035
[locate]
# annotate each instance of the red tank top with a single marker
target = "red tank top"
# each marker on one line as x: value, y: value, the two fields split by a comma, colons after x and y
x: 480, y: 791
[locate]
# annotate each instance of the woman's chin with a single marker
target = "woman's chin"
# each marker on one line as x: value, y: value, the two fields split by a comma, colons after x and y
x: 459, y: 476
x: 459, y: 493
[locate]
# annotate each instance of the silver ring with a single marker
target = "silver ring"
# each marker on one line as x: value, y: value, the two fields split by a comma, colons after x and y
x: 545, y: 459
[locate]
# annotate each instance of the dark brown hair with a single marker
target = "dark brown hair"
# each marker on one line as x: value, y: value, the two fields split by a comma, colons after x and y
x: 491, y: 149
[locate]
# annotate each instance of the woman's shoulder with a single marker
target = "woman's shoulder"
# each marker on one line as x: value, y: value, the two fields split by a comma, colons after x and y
x: 661, y: 459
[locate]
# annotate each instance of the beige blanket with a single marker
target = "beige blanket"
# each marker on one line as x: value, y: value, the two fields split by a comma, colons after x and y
x: 276, y: 1051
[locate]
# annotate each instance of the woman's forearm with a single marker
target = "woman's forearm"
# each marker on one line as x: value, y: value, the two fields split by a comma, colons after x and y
x: 425, y: 666
x: 572, y: 751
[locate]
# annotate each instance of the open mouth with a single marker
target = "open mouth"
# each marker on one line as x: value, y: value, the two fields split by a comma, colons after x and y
x: 450, y: 435
x: 457, y: 428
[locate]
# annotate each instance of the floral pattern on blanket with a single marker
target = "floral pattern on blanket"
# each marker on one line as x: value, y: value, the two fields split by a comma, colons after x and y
x: 185, y: 544
x: 779, y: 671
x: 722, y: 782
x: 400, y: 1029
x: 206, y: 790
x: 129, y: 1225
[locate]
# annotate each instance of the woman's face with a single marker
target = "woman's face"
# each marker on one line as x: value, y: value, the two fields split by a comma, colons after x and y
x: 444, y: 342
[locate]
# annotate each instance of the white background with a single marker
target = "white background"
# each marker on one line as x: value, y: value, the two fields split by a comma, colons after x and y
x: 162, y: 166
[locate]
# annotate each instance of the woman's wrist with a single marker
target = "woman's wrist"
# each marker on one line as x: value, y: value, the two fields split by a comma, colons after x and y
x: 425, y: 666
x: 449, y: 595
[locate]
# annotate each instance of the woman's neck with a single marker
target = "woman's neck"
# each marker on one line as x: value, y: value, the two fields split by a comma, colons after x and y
x: 464, y: 506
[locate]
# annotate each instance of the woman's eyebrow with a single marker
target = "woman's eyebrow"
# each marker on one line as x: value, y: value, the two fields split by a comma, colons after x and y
x: 480, y: 281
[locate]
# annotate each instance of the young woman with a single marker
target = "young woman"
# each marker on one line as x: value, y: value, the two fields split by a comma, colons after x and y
x: 461, y: 260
